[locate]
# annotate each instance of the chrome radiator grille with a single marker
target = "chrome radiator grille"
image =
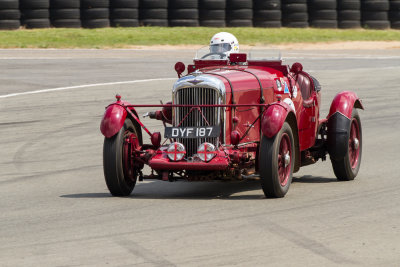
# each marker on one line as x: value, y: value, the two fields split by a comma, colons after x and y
x: 197, y: 96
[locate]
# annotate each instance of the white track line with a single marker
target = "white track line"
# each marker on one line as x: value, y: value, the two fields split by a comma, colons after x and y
x: 83, y: 86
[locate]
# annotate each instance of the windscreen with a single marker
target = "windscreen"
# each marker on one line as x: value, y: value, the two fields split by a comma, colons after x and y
x: 266, y: 53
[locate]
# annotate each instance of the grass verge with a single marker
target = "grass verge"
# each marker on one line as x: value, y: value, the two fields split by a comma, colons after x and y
x: 128, y: 37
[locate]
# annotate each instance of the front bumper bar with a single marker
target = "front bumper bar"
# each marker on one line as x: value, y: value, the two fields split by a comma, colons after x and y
x: 160, y: 162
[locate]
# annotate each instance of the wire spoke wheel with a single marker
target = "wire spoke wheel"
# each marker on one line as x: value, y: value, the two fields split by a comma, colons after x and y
x: 276, y: 162
x: 284, y: 159
x: 354, y: 144
x: 120, y: 168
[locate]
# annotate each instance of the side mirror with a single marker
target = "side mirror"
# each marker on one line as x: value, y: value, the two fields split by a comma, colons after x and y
x: 296, y: 68
x: 179, y: 68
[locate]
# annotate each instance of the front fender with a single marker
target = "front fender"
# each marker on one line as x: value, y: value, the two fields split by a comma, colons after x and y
x: 113, y: 119
x: 273, y: 118
x: 344, y: 102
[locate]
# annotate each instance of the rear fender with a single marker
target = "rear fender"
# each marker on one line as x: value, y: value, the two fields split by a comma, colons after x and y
x: 114, y: 118
x: 344, y: 102
x: 273, y: 118
x: 338, y: 135
x: 339, y: 119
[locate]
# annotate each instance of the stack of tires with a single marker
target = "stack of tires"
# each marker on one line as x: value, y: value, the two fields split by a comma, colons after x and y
x: 394, y: 14
x: 9, y: 15
x: 239, y: 13
x: 294, y: 13
x: 153, y: 13
x: 95, y: 13
x: 183, y: 13
x: 35, y: 14
x: 65, y: 14
x: 267, y: 13
x: 374, y: 14
x: 212, y: 13
x: 322, y: 13
x: 124, y: 13
x: 349, y: 14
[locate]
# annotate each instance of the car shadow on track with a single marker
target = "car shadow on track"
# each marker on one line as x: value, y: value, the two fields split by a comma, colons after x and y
x: 241, y: 190
x: 238, y: 190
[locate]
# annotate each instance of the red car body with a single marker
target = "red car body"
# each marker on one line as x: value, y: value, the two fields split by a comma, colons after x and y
x: 265, y: 113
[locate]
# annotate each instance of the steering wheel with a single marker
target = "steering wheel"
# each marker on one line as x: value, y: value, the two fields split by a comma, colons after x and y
x: 221, y: 55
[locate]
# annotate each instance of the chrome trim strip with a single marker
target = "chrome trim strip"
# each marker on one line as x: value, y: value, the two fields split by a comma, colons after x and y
x: 205, y: 81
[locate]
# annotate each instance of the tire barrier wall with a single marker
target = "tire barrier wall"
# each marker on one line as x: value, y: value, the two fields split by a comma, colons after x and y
x: 394, y: 14
x: 374, y: 14
x: 344, y: 14
x: 35, y: 14
x: 323, y: 13
x: 295, y: 13
x: 124, y: 13
x: 212, y: 13
x: 65, y: 14
x: 239, y: 13
x: 183, y: 13
x: 267, y: 13
x: 349, y: 14
x: 153, y: 13
x: 9, y: 15
x: 95, y: 13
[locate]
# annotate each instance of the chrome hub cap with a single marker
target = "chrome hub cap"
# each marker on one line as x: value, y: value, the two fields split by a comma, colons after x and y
x: 287, y: 159
x: 356, y: 143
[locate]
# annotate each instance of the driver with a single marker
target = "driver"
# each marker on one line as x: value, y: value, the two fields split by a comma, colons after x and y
x: 223, y: 44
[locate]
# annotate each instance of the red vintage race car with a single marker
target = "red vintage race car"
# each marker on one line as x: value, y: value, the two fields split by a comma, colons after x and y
x: 234, y: 118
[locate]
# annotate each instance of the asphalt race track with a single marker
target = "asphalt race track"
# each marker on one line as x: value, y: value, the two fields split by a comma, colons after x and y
x: 55, y: 209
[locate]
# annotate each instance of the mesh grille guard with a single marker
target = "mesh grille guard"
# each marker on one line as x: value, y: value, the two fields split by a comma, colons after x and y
x: 188, y: 117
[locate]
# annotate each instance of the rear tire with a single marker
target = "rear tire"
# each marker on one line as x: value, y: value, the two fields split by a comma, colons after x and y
x: 346, y: 168
x: 120, y: 180
x: 276, y: 162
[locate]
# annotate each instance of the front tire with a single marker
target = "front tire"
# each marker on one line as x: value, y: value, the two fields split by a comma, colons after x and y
x: 346, y: 168
x: 276, y: 162
x: 119, y: 171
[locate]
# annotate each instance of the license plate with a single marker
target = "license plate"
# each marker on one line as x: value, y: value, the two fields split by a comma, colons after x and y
x: 192, y: 132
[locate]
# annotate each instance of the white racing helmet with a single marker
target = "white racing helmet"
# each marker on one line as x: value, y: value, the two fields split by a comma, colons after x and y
x: 224, y: 42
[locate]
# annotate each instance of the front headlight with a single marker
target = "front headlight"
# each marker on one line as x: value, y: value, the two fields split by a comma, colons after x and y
x: 206, y: 152
x: 176, y: 151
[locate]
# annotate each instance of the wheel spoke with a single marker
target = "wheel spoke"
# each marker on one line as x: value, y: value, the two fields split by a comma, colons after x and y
x: 130, y: 144
x: 284, y: 163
